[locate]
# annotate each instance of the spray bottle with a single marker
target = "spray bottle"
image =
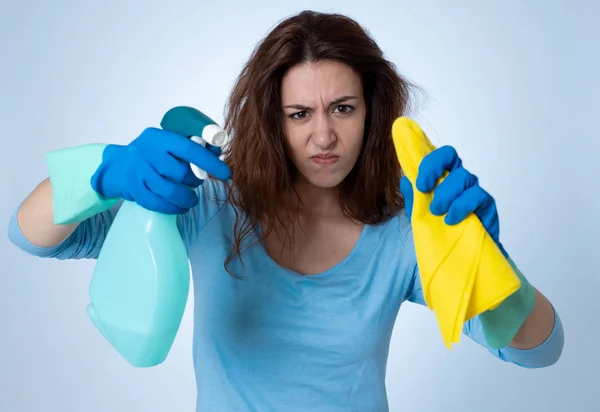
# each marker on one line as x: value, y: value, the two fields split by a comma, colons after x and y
x: 141, y: 281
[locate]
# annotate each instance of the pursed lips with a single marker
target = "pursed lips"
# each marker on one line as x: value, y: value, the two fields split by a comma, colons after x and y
x: 325, y: 159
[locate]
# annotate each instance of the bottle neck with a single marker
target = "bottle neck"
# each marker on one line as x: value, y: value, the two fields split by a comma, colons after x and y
x: 132, y: 208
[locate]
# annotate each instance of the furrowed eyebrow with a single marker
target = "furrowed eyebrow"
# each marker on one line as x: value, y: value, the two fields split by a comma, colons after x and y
x: 332, y: 103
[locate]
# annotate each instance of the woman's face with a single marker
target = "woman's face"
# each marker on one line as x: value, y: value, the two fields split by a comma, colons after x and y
x: 324, y: 120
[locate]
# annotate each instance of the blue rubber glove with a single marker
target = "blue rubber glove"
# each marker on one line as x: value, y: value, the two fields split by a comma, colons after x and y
x: 457, y: 196
x: 154, y: 171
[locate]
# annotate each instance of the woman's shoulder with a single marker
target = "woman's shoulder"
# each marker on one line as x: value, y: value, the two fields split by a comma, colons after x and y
x: 214, y: 190
x: 398, y: 223
x: 213, y: 198
x: 397, y: 231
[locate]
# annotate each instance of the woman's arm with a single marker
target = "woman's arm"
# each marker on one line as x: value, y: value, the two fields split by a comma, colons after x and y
x: 537, y: 327
x: 32, y: 229
x: 35, y: 218
x: 538, y: 343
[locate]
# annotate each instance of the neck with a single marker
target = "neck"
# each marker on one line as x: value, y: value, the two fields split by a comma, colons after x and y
x: 316, y: 201
x: 304, y: 203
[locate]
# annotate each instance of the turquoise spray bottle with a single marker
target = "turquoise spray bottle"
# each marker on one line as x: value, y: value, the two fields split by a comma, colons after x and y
x: 141, y: 281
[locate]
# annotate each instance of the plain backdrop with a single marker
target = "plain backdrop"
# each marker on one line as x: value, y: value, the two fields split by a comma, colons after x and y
x: 513, y: 85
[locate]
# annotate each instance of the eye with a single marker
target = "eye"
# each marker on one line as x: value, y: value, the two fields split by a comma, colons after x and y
x: 344, y: 108
x: 298, y: 115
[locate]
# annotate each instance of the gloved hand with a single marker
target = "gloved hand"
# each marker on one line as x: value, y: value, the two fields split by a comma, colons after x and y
x: 457, y: 196
x: 154, y: 171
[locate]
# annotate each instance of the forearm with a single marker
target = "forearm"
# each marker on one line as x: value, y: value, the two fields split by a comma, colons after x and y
x: 36, y: 218
x: 537, y: 327
x: 528, y: 320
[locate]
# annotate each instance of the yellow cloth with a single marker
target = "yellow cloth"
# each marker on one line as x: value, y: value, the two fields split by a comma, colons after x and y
x: 463, y: 272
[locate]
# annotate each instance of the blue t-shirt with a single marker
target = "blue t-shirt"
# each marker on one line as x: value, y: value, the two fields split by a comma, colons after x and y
x: 275, y: 340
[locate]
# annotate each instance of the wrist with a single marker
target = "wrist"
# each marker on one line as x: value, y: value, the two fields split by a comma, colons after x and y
x: 111, y: 151
x: 99, y: 181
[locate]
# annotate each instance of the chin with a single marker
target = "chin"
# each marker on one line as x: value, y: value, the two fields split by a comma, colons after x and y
x: 328, y: 182
x: 325, y: 178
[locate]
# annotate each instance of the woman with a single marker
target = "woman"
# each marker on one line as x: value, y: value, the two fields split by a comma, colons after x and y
x: 310, y: 253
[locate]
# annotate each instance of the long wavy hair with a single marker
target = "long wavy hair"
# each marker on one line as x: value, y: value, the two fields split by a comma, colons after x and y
x: 262, y: 172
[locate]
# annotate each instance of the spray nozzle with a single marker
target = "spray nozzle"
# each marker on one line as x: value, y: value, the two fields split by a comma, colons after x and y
x: 194, y: 124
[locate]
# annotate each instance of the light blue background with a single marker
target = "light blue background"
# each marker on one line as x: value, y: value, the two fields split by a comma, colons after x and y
x: 512, y: 84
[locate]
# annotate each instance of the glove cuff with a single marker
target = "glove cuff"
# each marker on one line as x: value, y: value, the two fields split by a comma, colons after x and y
x: 70, y: 171
x: 501, y: 324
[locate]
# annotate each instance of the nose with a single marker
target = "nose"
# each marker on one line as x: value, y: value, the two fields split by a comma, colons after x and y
x: 324, y: 136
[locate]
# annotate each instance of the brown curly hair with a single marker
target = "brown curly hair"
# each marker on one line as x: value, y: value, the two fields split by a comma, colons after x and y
x: 262, y: 171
